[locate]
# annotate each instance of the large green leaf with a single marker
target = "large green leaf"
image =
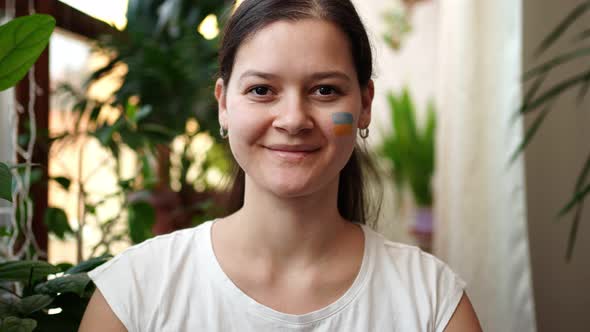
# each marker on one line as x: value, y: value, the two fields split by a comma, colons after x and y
x: 5, y: 182
x: 63, y: 182
x: 141, y: 218
x: 33, y: 303
x: 74, y: 283
x: 15, y: 324
x: 8, y: 305
x: 22, y: 41
x: 23, y: 270
x: 89, y: 264
x: 57, y: 222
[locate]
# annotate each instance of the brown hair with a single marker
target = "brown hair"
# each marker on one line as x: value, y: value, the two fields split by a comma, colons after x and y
x: 253, y: 15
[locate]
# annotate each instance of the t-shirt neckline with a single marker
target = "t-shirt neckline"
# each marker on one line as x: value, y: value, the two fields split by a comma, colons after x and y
x: 259, y: 309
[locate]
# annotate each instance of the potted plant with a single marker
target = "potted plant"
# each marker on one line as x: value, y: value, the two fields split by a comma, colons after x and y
x: 410, y: 152
x: 538, y: 102
x: 169, y: 71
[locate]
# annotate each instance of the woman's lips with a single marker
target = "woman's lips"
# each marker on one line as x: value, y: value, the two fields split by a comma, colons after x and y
x: 292, y: 156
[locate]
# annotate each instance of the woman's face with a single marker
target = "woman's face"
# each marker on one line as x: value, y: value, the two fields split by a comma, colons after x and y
x: 293, y: 106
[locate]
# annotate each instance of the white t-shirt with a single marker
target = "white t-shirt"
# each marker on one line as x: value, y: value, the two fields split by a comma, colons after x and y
x: 174, y: 283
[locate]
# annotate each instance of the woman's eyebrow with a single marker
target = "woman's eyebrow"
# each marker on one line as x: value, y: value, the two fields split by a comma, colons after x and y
x: 256, y: 73
x: 330, y: 74
x: 314, y: 76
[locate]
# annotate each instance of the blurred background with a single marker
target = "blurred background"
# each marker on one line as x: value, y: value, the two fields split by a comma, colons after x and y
x: 480, y: 129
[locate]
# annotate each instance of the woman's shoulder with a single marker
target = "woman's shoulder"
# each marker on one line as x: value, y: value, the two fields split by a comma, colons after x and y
x: 406, y: 256
x: 159, y: 250
x: 135, y: 281
x: 423, y: 284
x: 408, y: 267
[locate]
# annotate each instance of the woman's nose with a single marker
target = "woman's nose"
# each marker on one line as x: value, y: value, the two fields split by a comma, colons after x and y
x: 293, y: 115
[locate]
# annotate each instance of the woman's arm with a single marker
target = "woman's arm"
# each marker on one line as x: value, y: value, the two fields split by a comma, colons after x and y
x: 464, y: 319
x: 99, y: 316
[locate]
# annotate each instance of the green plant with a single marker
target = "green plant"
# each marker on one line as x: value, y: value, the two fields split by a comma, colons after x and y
x: 541, y: 102
x: 165, y: 88
x: 38, y: 296
x: 26, y: 294
x: 170, y: 68
x: 22, y: 40
x: 409, y: 149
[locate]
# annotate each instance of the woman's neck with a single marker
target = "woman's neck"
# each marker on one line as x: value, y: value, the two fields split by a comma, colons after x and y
x: 291, y: 230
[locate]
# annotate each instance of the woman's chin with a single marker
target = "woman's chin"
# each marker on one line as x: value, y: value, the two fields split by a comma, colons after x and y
x: 290, y: 190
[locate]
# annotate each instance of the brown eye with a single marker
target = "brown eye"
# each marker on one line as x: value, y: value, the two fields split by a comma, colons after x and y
x: 260, y: 91
x: 325, y: 90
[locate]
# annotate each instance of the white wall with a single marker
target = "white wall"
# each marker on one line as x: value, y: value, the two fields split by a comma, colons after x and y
x: 553, y: 161
x: 415, y: 66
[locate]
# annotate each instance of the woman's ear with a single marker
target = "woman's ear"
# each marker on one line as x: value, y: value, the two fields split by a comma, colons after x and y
x: 221, y: 102
x: 367, y: 95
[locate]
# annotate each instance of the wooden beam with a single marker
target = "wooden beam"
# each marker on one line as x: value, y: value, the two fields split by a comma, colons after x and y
x: 68, y: 18
x: 38, y: 191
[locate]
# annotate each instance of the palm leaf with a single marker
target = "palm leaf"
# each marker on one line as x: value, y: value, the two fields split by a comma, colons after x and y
x: 559, y: 60
x: 583, y: 92
x: 574, y: 232
x: 578, y: 215
x: 530, y: 94
x: 578, y: 197
x: 555, y: 91
x: 530, y: 133
x: 578, y: 11
x: 583, y: 35
x: 583, y: 175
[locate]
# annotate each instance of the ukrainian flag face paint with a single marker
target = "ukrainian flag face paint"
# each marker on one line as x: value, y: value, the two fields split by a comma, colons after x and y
x: 342, y: 123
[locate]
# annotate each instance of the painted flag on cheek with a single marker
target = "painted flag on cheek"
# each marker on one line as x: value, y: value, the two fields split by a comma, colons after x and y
x: 342, y: 123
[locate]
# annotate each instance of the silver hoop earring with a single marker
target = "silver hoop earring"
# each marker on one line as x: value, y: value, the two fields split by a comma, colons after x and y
x: 364, y: 133
x: 222, y: 132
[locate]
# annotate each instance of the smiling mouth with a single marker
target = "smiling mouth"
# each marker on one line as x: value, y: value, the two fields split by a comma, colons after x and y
x: 291, y: 155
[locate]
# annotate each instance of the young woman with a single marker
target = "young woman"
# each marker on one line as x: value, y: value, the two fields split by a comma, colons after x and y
x: 295, y: 254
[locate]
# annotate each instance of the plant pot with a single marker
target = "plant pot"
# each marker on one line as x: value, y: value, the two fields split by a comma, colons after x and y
x: 422, y: 228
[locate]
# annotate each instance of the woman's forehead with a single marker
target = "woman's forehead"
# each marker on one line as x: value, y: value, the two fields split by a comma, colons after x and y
x: 295, y: 47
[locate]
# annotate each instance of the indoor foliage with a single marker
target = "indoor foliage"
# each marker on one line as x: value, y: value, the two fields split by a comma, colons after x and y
x: 540, y: 103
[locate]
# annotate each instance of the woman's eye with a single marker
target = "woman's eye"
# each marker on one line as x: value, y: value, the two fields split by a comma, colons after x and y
x: 260, y: 91
x: 326, y: 91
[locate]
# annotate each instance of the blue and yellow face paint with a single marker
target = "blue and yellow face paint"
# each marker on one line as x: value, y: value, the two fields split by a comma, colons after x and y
x: 342, y: 123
